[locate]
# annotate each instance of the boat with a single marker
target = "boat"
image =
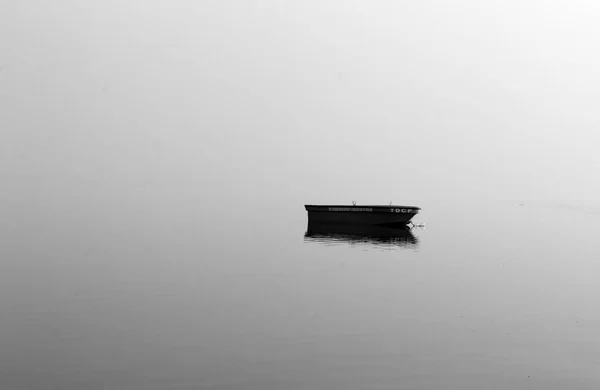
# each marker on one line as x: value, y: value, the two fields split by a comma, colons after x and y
x: 390, y: 215
x: 328, y: 233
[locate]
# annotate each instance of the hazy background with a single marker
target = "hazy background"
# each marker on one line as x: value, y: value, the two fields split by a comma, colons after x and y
x: 155, y: 157
x: 311, y: 101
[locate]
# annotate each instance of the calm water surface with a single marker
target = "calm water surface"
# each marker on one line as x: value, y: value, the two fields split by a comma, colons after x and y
x: 114, y: 293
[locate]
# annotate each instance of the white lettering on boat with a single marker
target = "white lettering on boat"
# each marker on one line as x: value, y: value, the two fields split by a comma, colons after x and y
x: 370, y: 210
x: 392, y: 210
x: 364, y: 209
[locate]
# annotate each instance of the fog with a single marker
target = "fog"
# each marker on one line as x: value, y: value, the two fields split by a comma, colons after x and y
x: 312, y: 101
x: 155, y: 158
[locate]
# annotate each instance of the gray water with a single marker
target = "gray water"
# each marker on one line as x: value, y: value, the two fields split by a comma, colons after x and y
x: 150, y: 290
x: 156, y: 157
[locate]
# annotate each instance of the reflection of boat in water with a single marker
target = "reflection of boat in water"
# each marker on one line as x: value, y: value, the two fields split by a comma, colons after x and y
x: 360, y: 234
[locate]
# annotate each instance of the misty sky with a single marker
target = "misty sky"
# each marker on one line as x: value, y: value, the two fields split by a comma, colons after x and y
x: 315, y: 101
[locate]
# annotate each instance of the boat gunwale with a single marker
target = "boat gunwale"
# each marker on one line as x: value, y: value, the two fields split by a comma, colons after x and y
x: 364, y: 206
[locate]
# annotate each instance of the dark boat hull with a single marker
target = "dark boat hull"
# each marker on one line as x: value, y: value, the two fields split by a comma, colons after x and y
x: 370, y: 215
